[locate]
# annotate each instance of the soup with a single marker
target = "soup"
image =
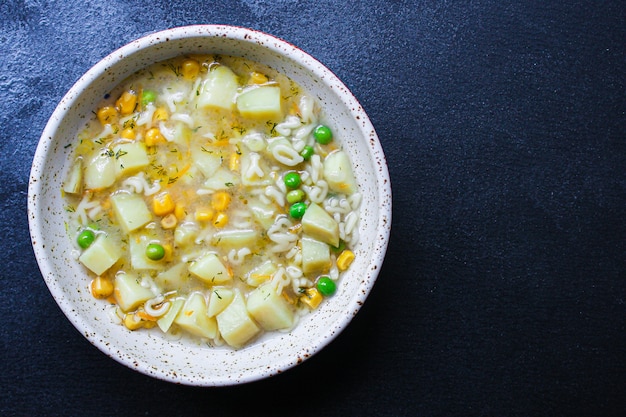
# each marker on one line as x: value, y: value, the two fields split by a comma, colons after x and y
x: 208, y: 197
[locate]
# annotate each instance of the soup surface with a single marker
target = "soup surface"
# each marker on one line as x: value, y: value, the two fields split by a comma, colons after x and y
x: 206, y: 197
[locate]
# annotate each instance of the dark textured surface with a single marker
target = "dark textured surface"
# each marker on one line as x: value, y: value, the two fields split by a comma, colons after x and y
x: 504, y: 288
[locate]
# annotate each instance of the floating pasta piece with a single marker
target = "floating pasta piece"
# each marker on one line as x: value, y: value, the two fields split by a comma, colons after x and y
x: 74, y: 182
x: 283, y: 151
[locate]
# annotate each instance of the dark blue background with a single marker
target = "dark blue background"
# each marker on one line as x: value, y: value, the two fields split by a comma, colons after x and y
x: 503, y: 292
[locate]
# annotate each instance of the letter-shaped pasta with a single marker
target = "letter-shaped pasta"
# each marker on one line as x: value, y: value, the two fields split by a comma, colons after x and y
x: 139, y: 185
x: 185, y: 118
x: 280, y: 279
x: 286, y: 155
x: 318, y: 192
x: 236, y: 257
x: 285, y: 128
x: 306, y: 109
x: 168, y: 133
x: 316, y: 168
x: 145, y: 117
x: 87, y: 209
x: 275, y: 194
x: 254, y: 170
x: 172, y: 98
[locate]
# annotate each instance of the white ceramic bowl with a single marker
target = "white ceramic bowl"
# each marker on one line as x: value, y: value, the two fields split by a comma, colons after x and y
x: 148, y: 352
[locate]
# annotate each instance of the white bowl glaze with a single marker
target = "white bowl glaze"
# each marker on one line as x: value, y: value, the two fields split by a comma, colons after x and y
x: 147, y: 351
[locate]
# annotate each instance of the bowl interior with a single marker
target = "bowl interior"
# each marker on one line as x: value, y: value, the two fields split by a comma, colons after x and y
x: 183, y: 361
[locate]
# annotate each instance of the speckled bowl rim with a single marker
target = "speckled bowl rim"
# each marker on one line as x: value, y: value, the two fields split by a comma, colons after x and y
x: 248, y: 364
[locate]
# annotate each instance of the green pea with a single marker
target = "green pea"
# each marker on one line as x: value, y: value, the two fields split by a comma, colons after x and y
x: 155, y: 251
x: 307, y: 152
x: 292, y: 180
x: 147, y: 96
x: 294, y: 196
x: 86, y: 238
x: 323, y: 135
x: 326, y: 286
x: 297, y: 210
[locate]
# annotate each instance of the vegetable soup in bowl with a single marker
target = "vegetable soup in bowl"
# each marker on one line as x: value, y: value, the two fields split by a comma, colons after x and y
x: 209, y: 205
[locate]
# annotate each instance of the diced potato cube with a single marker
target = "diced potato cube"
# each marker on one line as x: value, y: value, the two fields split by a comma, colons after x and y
x: 260, y: 102
x: 264, y: 214
x: 101, y: 255
x: 185, y: 233
x: 130, y: 157
x: 222, y: 179
x: 338, y: 173
x: 270, y: 309
x: 315, y: 255
x: 210, y: 269
x: 219, y: 89
x: 138, y: 259
x: 193, y: 317
x: 235, y: 238
x: 219, y: 299
x: 173, y: 278
x: 165, y: 322
x: 207, y: 160
x: 128, y: 291
x: 130, y: 211
x: 235, y: 324
x: 100, y: 171
x: 318, y: 224
x: 261, y: 273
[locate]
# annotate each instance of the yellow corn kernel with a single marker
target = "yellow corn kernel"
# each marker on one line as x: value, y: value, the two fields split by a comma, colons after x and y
x: 128, y: 133
x: 180, y: 212
x: 190, y: 69
x: 107, y: 115
x: 312, y: 297
x: 169, y: 222
x: 345, y: 259
x: 204, y: 214
x: 234, y: 162
x: 162, y: 204
x: 258, y: 78
x: 169, y: 250
x: 153, y: 137
x: 221, y: 220
x: 101, y: 287
x: 132, y: 322
x: 126, y: 103
x: 160, y: 114
x: 220, y: 200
